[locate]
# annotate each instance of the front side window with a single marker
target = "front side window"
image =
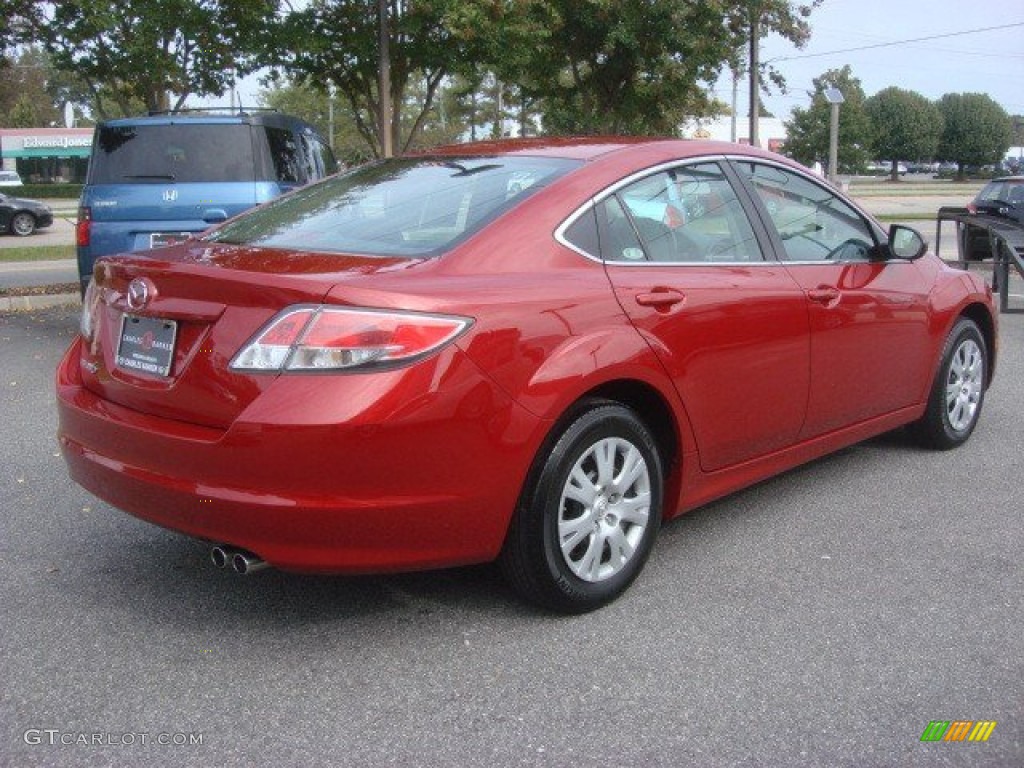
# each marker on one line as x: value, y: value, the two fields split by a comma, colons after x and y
x: 400, y: 207
x: 690, y: 214
x: 812, y: 222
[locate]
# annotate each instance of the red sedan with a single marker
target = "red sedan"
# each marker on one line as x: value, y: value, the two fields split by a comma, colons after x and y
x: 533, y: 351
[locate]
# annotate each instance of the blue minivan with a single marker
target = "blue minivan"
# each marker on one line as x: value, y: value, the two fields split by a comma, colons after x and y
x: 156, y: 180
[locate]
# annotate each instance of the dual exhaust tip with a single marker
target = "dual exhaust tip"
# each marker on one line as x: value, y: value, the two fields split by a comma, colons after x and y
x: 240, y: 561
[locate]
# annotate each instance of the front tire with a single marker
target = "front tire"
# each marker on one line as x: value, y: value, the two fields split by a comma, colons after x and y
x: 958, y: 391
x: 23, y: 224
x: 590, y: 512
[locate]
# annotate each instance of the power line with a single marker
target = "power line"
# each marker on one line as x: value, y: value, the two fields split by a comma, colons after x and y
x: 897, y: 42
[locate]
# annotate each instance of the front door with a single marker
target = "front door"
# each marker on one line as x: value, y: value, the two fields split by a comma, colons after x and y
x: 868, y: 314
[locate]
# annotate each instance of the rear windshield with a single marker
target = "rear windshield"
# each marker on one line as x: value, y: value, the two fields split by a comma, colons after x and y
x: 403, y: 207
x: 160, y: 153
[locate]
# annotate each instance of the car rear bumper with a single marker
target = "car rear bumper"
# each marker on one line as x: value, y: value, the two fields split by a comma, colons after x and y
x: 433, y: 484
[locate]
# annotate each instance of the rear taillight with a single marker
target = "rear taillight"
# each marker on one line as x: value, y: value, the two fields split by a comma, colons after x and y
x: 90, y: 307
x: 83, y: 229
x: 972, y: 208
x: 317, y: 338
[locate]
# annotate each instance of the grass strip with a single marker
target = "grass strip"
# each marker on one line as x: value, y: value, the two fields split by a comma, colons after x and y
x: 37, y: 253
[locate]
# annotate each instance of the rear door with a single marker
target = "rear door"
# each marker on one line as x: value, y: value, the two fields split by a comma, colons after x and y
x: 729, y: 326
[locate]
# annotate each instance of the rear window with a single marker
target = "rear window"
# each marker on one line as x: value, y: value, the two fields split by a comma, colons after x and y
x: 402, y: 207
x: 183, y: 153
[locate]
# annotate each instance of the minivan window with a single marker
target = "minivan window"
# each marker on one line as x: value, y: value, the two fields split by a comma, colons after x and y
x: 174, y: 152
x: 286, y: 156
x: 401, y: 207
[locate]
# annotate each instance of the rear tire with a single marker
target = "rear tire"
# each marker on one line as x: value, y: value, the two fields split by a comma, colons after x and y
x: 589, y: 514
x: 958, y: 391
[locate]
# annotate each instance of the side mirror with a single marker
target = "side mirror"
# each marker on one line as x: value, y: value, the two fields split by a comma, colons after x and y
x: 906, y: 242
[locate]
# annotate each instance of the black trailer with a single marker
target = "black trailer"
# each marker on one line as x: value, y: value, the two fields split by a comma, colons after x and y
x: 981, y: 237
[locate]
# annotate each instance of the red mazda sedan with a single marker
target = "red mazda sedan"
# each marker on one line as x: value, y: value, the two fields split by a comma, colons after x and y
x: 531, y: 351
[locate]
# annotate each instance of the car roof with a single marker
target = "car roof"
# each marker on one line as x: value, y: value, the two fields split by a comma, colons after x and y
x: 593, y: 147
x: 272, y: 118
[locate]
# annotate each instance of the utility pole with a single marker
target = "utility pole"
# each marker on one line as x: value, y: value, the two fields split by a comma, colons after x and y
x: 384, y: 82
x: 755, y: 67
x: 834, y: 97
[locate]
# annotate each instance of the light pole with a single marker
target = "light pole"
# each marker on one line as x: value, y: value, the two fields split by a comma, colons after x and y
x: 834, y: 97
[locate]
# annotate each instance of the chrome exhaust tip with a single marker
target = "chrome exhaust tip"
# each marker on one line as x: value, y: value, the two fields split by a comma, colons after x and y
x: 221, y: 555
x: 245, y: 563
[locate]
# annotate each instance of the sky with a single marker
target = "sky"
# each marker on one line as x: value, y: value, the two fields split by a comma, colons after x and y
x: 989, y: 62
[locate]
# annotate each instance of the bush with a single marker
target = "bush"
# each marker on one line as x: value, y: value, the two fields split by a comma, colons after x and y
x: 45, y: 190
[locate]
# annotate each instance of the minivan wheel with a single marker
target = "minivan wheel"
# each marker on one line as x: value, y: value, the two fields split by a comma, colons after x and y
x: 958, y: 391
x: 590, y: 513
x: 23, y: 224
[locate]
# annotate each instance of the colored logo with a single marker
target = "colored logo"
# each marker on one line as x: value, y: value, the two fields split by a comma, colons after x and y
x: 958, y: 730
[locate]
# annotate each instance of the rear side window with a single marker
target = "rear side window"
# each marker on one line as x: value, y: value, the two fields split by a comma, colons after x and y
x: 401, y: 207
x: 182, y: 153
x: 686, y: 214
x: 291, y: 166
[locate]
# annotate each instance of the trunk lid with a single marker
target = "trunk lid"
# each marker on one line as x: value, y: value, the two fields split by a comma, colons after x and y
x: 165, y: 326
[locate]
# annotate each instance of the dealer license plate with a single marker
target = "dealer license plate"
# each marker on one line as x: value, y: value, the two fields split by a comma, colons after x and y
x: 160, y: 239
x: 146, y: 345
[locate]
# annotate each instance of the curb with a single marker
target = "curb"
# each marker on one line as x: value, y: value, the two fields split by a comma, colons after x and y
x: 44, y: 301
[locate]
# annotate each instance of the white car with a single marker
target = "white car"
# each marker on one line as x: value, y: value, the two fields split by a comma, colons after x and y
x: 10, y: 179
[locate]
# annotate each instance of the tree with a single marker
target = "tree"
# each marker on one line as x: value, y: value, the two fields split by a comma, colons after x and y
x: 907, y: 126
x: 25, y: 99
x: 977, y: 130
x: 428, y: 41
x: 157, y: 52
x: 808, y: 129
x: 751, y: 20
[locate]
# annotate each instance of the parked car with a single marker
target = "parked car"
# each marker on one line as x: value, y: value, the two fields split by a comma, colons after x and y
x: 10, y: 179
x: 1002, y: 198
x: 497, y: 351
x: 20, y: 216
x: 156, y: 180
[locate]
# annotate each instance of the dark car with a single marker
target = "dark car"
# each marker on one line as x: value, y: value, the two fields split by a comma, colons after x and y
x: 1003, y: 198
x: 22, y: 217
x: 532, y: 352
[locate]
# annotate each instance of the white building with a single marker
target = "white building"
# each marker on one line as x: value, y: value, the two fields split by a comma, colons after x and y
x: 771, y: 131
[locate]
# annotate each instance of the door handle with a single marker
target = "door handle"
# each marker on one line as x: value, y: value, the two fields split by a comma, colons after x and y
x: 825, y: 294
x: 660, y: 298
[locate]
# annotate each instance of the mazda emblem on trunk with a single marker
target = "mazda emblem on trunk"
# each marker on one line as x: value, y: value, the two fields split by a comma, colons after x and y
x: 138, y: 293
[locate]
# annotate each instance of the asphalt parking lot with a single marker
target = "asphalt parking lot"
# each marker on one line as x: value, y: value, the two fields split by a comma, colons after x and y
x: 823, y: 618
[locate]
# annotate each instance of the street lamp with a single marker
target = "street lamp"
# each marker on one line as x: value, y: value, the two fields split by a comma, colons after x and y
x: 834, y: 97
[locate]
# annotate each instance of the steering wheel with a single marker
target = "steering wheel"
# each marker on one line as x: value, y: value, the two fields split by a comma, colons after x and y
x: 851, y: 249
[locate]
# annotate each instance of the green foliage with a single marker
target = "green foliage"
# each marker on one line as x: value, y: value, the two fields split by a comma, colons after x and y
x: 139, y: 51
x: 25, y: 100
x: 606, y: 67
x: 1017, y: 138
x: 977, y: 130
x: 429, y: 40
x: 47, y: 191
x: 808, y: 129
x: 907, y: 126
